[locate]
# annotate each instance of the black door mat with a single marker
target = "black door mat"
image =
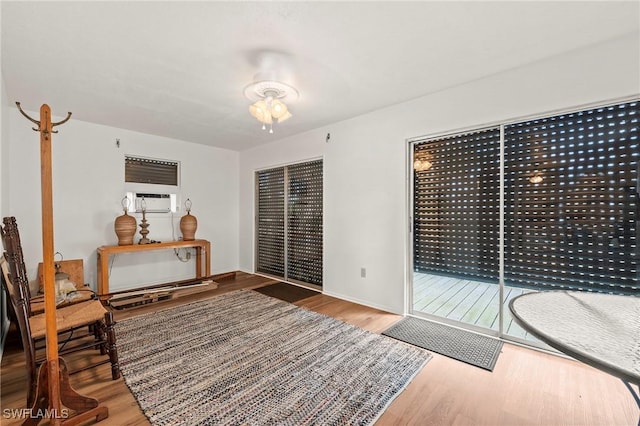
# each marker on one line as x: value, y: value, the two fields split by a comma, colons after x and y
x: 287, y: 292
x: 475, y: 349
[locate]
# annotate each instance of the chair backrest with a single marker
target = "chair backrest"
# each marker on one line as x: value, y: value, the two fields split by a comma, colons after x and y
x: 15, y: 281
x: 15, y: 259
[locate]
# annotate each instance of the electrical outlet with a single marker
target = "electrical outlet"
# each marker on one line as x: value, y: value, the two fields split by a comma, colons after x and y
x: 363, y: 272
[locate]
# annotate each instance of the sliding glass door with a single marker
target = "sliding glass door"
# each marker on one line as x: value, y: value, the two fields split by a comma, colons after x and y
x: 547, y: 203
x: 456, y: 183
x: 289, y: 225
x: 572, y: 201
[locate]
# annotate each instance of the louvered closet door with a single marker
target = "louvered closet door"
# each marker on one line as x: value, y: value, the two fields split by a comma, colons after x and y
x: 304, y: 222
x: 572, y: 201
x: 270, y: 211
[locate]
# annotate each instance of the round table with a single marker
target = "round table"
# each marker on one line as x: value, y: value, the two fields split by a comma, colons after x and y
x: 602, y: 330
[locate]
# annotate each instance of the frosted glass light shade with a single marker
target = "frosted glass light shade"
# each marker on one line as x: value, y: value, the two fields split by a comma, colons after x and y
x: 287, y: 115
x: 278, y: 109
x: 260, y: 111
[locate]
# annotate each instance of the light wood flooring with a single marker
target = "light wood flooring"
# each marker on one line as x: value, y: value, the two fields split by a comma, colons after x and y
x: 526, y: 387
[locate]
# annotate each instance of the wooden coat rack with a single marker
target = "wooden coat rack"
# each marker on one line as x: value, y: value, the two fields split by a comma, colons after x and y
x: 53, y: 389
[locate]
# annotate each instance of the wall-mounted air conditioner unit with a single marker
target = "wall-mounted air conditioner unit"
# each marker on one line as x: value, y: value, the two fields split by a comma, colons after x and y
x: 152, y: 202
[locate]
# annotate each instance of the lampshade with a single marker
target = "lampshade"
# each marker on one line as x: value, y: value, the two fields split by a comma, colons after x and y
x: 278, y: 109
x: 269, y: 105
x: 260, y: 110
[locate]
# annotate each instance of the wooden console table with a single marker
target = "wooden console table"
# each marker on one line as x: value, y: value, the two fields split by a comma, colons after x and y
x: 203, y: 258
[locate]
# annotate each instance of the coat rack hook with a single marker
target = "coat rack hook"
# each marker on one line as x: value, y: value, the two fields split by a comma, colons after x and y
x: 29, y: 118
x: 61, y: 122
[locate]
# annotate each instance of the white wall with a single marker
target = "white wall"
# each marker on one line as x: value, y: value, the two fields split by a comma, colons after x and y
x: 88, y: 185
x: 4, y: 189
x: 4, y: 141
x: 365, y: 162
x: 4, y: 149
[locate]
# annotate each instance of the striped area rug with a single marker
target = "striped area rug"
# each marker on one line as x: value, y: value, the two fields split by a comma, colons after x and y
x: 244, y: 358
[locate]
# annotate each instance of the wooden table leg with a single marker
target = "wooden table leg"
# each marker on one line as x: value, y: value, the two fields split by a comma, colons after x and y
x: 199, y: 255
x: 203, y: 252
x: 207, y: 258
x: 103, y: 274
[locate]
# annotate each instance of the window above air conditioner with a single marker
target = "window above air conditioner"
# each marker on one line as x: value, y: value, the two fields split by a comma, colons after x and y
x: 156, y: 181
x: 151, y: 171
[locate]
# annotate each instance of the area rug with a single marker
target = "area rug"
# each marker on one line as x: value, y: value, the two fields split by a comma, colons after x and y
x: 287, y: 292
x: 472, y: 348
x: 244, y: 358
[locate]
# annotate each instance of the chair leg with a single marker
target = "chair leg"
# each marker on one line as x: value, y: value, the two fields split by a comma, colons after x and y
x: 98, y: 332
x: 111, y: 343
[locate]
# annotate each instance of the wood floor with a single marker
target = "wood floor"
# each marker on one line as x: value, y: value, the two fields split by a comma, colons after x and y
x: 525, y: 388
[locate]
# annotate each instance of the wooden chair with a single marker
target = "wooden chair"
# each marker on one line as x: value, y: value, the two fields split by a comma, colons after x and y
x: 72, y: 321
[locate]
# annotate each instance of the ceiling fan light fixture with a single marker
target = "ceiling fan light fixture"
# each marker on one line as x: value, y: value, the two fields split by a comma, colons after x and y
x: 268, y: 105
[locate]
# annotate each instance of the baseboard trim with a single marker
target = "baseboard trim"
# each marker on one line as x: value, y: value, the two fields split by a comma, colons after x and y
x: 361, y: 302
x: 225, y: 276
x: 296, y: 283
x: 333, y: 294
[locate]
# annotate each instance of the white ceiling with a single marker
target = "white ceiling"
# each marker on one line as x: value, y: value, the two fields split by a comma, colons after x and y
x: 178, y: 69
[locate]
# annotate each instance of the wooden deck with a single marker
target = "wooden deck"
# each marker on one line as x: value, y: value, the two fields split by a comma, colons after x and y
x: 470, y: 302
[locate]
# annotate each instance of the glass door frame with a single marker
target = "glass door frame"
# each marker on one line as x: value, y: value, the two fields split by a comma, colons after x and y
x: 285, y: 278
x: 409, y: 309
x: 410, y: 142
